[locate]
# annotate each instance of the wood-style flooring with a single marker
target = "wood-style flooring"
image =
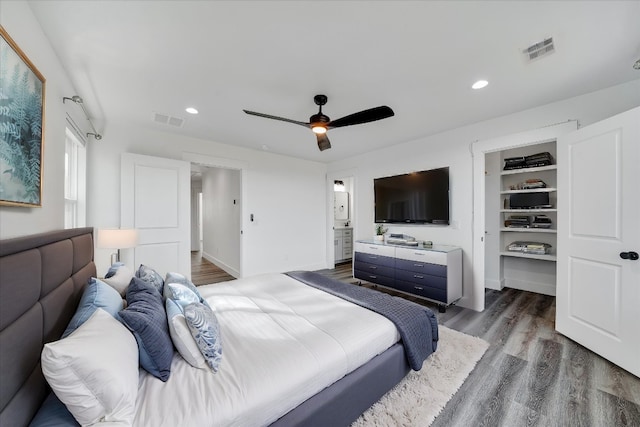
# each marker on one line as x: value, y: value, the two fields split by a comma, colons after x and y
x: 530, y: 375
x: 203, y: 272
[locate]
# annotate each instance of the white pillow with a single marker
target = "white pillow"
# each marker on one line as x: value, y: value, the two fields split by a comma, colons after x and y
x: 120, y: 279
x: 182, y: 337
x: 94, y: 371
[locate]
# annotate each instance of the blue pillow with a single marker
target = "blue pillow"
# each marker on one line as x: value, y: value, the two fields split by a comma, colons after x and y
x: 146, y: 318
x: 149, y: 275
x: 205, y: 329
x: 97, y: 294
x: 53, y: 413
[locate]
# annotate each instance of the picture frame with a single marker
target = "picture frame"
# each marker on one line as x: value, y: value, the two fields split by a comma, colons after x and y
x: 22, y: 101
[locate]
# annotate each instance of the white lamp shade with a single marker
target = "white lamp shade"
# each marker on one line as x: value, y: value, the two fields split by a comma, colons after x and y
x: 117, y: 238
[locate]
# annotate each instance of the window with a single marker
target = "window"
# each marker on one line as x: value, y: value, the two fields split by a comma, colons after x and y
x: 74, y: 182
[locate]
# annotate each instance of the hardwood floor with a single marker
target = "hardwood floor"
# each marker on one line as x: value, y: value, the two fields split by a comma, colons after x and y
x: 203, y: 272
x: 529, y: 376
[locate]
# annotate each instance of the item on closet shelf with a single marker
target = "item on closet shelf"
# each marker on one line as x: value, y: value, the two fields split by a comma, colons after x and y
x: 530, y: 184
x: 529, y: 201
x: 518, y: 221
x: 537, y: 248
x: 514, y: 163
x: 540, y: 159
x: 532, y: 161
x: 541, y: 221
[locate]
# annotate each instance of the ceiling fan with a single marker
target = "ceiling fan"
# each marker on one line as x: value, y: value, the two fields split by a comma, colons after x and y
x: 320, y: 124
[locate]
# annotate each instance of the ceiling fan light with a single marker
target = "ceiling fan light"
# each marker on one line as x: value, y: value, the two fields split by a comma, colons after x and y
x: 479, y: 84
x: 319, y: 129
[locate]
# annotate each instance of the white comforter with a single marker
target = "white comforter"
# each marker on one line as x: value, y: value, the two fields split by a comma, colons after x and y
x: 283, y: 342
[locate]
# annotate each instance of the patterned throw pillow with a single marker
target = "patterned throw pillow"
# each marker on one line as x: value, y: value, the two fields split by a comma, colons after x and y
x: 205, y: 329
x: 149, y: 275
x: 179, y: 279
x: 182, y: 294
x: 181, y: 336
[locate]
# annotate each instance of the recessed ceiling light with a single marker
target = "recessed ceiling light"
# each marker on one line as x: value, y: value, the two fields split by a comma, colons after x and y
x: 191, y: 110
x: 479, y: 84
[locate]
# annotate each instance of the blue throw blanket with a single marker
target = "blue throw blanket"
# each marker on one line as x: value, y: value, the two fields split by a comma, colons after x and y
x: 417, y: 325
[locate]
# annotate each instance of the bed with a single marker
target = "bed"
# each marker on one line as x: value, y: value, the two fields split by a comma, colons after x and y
x: 42, y: 278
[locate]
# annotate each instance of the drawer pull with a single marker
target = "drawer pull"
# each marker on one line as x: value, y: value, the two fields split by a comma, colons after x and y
x: 373, y: 277
x: 418, y: 265
x: 419, y: 288
x: 420, y: 253
x: 373, y: 247
x: 373, y: 267
x: 417, y: 276
x: 373, y: 257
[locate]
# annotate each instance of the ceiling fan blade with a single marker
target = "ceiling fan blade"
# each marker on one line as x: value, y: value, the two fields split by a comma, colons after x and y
x: 323, y: 141
x: 282, y: 119
x: 366, y: 116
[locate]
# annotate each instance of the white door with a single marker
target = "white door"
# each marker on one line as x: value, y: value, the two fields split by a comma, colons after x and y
x: 598, y: 291
x: 155, y: 195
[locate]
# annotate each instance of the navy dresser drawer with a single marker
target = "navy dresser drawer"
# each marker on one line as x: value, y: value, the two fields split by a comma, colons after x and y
x: 422, y: 279
x: 422, y: 290
x: 373, y: 277
x: 422, y: 267
x: 375, y: 259
x: 369, y: 268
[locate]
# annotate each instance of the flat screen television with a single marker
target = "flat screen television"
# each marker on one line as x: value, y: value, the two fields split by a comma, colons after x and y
x: 413, y: 198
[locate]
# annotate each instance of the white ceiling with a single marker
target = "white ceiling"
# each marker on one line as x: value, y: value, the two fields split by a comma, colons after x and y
x: 129, y: 59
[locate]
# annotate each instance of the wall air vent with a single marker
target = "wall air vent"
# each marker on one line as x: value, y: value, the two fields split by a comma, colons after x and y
x: 166, y: 119
x: 537, y: 50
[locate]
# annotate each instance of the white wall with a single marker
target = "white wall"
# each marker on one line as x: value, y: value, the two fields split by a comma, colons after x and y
x: 221, y: 198
x: 286, y: 196
x: 196, y: 232
x: 19, y: 22
x: 452, y: 148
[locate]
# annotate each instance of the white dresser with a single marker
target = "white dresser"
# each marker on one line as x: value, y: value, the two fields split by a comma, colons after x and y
x: 431, y: 273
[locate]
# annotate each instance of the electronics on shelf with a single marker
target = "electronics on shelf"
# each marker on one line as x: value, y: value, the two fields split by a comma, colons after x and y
x: 526, y: 221
x: 532, y: 161
x: 529, y: 201
x: 537, y: 248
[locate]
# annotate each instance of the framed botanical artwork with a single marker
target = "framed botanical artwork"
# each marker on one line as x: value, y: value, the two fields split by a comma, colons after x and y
x: 22, y: 90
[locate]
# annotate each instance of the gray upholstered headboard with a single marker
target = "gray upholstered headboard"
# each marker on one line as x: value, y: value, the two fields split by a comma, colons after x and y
x: 41, y: 280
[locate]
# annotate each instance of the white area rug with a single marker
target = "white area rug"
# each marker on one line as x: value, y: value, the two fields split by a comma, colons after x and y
x: 420, y: 396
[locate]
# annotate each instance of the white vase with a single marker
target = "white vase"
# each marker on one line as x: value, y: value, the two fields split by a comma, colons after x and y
x: 378, y: 238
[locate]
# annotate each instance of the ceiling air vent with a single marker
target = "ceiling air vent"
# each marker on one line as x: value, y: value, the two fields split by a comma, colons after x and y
x: 539, y: 49
x: 166, y: 119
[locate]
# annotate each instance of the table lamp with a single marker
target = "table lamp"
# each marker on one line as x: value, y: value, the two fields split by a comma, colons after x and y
x: 117, y: 239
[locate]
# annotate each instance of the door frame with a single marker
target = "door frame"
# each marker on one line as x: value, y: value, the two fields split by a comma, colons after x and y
x: 332, y: 176
x: 225, y: 163
x: 478, y: 151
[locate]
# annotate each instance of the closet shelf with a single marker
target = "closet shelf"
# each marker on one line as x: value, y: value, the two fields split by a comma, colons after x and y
x: 529, y: 256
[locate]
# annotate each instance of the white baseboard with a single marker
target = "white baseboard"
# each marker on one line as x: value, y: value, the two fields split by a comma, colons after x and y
x: 523, y: 285
x: 228, y: 269
x: 494, y: 284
